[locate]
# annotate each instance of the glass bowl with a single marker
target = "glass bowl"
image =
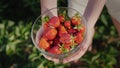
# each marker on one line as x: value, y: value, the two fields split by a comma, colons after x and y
x: 37, y: 30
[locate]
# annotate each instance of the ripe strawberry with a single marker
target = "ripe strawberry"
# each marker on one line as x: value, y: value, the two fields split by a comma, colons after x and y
x: 67, y: 47
x: 78, y: 38
x: 56, y: 41
x: 55, y: 50
x: 71, y: 31
x: 62, y: 30
x: 61, y: 18
x: 64, y: 48
x: 50, y: 42
x: 44, y: 44
x: 45, y: 26
x: 69, y: 43
x: 50, y: 33
x: 67, y: 24
x: 65, y: 38
x: 54, y: 21
x: 75, y: 20
x: 82, y: 30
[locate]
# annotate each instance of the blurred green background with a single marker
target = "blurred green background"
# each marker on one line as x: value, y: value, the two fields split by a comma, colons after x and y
x: 18, y: 51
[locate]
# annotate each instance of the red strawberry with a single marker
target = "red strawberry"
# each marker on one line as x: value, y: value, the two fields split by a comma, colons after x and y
x: 78, y: 38
x: 56, y: 41
x: 65, y: 38
x: 75, y: 20
x: 62, y: 30
x: 61, y: 18
x: 50, y: 42
x: 50, y: 33
x: 82, y: 30
x: 67, y: 47
x: 69, y: 43
x: 45, y: 26
x: 55, y: 50
x: 67, y: 24
x: 71, y: 31
x: 54, y: 21
x: 44, y: 44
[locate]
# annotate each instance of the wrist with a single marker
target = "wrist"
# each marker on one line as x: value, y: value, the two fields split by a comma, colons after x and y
x: 46, y: 5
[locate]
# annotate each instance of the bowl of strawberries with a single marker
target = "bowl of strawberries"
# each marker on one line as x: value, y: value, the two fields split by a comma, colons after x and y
x: 59, y: 36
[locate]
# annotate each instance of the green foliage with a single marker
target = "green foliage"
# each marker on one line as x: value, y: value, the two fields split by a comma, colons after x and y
x: 18, y: 51
x: 19, y: 9
x: 101, y: 59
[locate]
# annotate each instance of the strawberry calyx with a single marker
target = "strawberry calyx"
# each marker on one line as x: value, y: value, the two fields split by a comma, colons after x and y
x: 45, y: 19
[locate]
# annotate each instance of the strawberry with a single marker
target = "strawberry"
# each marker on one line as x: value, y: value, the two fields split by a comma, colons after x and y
x: 67, y: 24
x: 56, y: 41
x: 44, y: 44
x: 75, y: 20
x: 69, y: 43
x: 45, y: 25
x: 64, y: 48
x: 71, y: 31
x: 67, y: 47
x: 62, y: 30
x: 82, y: 30
x: 54, y: 21
x: 55, y: 50
x: 50, y: 42
x: 61, y: 18
x: 78, y: 38
x: 50, y: 33
x: 65, y: 38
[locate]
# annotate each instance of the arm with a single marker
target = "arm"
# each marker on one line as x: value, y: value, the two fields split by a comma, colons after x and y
x: 48, y: 4
x: 93, y: 11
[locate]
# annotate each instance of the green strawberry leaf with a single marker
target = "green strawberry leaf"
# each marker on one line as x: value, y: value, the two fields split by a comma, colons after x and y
x: 73, y: 43
x: 64, y: 13
x: 45, y: 19
x: 64, y: 50
x: 79, y: 27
